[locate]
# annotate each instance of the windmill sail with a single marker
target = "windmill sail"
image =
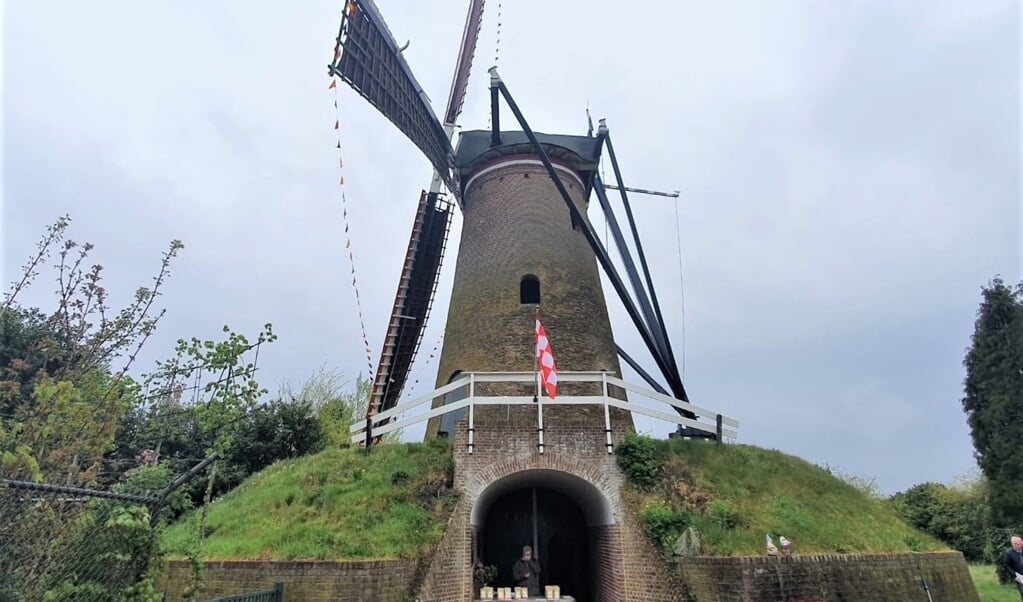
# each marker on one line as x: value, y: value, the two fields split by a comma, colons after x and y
x: 466, y: 51
x: 416, y: 289
x: 368, y: 59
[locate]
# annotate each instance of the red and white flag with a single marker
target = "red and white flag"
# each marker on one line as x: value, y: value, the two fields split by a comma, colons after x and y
x: 545, y: 359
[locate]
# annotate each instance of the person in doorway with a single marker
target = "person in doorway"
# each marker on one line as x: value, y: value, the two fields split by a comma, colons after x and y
x: 1011, y: 564
x: 526, y: 572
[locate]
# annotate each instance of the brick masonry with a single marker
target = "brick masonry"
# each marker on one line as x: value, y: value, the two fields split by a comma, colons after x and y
x: 516, y: 224
x: 829, y: 578
x: 384, y: 581
x: 624, y: 566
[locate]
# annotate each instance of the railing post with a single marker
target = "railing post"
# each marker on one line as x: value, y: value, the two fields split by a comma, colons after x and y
x: 472, y: 416
x: 369, y: 432
x: 719, y: 428
x: 607, y: 413
x: 279, y: 592
x: 539, y: 419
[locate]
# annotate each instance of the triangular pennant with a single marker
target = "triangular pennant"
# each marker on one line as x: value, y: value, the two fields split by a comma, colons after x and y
x: 339, y: 144
x: 341, y: 182
x: 337, y: 124
x: 333, y: 84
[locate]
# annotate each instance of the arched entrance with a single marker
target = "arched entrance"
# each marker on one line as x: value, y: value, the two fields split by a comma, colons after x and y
x: 556, y: 513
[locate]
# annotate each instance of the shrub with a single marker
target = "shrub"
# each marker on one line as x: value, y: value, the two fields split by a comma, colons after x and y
x: 639, y: 459
x: 724, y: 513
x: 662, y: 524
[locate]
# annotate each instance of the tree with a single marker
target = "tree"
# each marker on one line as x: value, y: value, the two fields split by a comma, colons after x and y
x: 993, y: 399
x: 958, y: 515
x: 64, y: 386
x: 338, y: 404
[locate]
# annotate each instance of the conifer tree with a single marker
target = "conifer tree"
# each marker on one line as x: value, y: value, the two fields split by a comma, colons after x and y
x: 993, y: 399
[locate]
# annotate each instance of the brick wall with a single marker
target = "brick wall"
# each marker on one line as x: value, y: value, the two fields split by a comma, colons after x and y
x: 606, y: 567
x: 449, y: 577
x: 827, y: 578
x: 515, y: 223
x: 383, y: 581
x: 576, y: 455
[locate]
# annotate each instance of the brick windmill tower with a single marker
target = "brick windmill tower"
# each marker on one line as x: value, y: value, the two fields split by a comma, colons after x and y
x: 533, y: 468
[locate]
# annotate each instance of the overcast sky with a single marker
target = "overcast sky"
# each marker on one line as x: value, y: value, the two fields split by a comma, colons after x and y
x: 850, y: 177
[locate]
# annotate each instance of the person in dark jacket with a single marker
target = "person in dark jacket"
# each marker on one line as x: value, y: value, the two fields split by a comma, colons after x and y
x: 1012, y: 564
x: 526, y: 572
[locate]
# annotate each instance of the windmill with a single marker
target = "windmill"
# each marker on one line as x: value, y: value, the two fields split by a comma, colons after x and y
x: 367, y: 57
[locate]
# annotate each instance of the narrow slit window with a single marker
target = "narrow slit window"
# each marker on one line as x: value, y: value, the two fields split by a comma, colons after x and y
x: 529, y: 290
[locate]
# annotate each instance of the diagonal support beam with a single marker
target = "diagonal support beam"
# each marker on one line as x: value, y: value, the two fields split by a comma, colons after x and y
x: 650, y: 380
x: 605, y: 261
x: 630, y: 267
x: 642, y: 260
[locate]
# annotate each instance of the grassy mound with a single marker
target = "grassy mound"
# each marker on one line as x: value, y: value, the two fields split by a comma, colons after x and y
x: 338, y: 504
x: 736, y: 494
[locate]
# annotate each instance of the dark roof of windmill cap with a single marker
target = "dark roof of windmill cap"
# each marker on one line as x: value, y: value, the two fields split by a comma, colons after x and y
x: 582, y: 153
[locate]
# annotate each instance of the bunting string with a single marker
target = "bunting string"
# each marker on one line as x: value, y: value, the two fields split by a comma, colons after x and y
x: 429, y: 359
x: 497, y: 50
x: 344, y: 215
x: 415, y: 384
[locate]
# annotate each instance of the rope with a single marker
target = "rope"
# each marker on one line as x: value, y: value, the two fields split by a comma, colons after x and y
x: 497, y: 43
x: 497, y: 52
x: 429, y: 359
x: 681, y: 286
x: 413, y: 387
x: 348, y: 240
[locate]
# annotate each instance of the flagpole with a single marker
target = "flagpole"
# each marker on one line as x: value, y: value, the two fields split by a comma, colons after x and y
x: 538, y: 400
x: 536, y: 355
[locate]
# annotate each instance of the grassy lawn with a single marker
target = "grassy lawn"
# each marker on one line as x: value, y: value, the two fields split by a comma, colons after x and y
x: 988, y: 588
x: 736, y: 494
x: 338, y: 504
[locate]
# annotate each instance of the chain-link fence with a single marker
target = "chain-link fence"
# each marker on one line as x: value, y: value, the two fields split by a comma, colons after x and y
x: 72, y: 544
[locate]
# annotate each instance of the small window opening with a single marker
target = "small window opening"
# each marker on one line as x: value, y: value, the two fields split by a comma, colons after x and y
x: 529, y: 290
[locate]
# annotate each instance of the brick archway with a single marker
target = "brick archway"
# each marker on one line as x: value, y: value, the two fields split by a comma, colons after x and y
x: 592, y: 483
x: 594, y: 490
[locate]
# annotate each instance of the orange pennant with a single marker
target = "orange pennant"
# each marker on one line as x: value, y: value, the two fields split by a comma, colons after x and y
x: 333, y: 84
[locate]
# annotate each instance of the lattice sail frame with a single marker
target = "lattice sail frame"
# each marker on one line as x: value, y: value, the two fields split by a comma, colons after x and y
x: 368, y: 58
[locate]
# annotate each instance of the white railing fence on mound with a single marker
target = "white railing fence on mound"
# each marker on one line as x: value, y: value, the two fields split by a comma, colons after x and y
x: 723, y: 427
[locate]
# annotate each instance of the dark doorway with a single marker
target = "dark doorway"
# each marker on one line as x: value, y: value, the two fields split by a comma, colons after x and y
x: 550, y: 522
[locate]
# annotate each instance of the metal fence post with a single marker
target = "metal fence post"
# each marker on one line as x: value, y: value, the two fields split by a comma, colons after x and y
x: 607, y: 413
x: 472, y: 415
x: 539, y: 422
x: 719, y: 429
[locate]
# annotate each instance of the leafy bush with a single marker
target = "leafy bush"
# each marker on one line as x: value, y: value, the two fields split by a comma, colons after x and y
x: 662, y: 524
x: 640, y: 460
x: 724, y: 513
x: 957, y: 515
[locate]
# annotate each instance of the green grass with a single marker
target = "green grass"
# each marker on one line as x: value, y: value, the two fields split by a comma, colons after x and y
x: 338, y: 504
x: 988, y: 588
x: 735, y: 494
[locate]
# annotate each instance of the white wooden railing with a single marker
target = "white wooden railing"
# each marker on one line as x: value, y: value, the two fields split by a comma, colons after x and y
x: 722, y: 427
